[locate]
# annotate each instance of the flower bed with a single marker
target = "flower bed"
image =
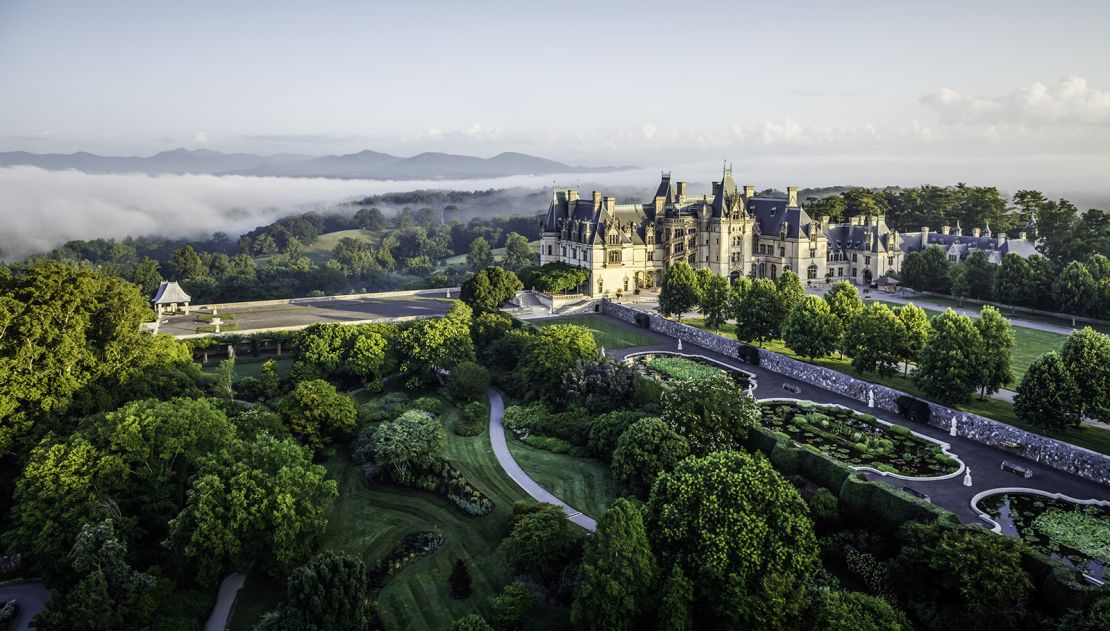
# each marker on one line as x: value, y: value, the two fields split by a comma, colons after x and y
x: 676, y: 369
x: 857, y: 439
x: 1076, y: 534
x: 414, y: 547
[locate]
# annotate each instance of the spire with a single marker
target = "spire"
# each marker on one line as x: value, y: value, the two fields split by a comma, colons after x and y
x: 959, y: 232
x: 986, y: 228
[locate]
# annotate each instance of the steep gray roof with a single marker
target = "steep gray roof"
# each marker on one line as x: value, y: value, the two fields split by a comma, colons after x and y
x: 170, y: 292
x: 771, y: 213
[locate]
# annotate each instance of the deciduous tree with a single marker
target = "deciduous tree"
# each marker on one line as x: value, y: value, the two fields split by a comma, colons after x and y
x: 647, y: 448
x: 995, y: 352
x: 316, y: 411
x: 1086, y: 355
x: 948, y: 367
x: 810, y: 329
x: 480, y: 254
x: 713, y: 414
x: 873, y: 340
x: 760, y: 313
x: 715, y: 301
x: 1047, y: 395
x: 680, y: 291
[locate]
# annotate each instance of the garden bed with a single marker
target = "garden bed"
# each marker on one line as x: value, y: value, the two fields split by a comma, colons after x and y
x: 859, y: 440
x: 1077, y: 534
x: 671, y: 368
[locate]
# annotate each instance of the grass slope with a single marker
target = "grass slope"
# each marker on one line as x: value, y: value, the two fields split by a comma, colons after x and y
x: 607, y: 332
x: 1093, y: 438
x: 498, y: 254
x: 370, y: 521
x: 584, y: 483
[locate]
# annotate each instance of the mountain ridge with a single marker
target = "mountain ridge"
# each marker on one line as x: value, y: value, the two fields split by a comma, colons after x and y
x: 366, y: 164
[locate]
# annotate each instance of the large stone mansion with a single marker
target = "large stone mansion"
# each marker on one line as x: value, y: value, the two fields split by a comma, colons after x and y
x: 733, y: 232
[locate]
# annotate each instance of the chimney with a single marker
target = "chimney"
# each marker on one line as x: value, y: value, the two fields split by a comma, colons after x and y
x: 924, y: 234
x: 716, y: 188
x: 1022, y: 235
x: 659, y: 201
x: 597, y: 200
x: 680, y: 190
x: 791, y: 196
x: 946, y: 230
x: 610, y: 203
x: 975, y: 232
x: 572, y: 195
x: 749, y: 191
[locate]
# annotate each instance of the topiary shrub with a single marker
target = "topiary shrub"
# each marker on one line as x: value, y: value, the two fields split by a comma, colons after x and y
x: 430, y: 405
x: 748, y: 354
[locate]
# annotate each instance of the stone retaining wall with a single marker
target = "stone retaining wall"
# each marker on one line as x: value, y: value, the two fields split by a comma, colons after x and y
x: 1047, y: 451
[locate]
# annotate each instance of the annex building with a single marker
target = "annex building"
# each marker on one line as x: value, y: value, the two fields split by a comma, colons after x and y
x: 732, y: 232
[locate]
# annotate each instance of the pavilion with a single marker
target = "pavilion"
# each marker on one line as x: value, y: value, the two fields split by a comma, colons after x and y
x: 169, y: 296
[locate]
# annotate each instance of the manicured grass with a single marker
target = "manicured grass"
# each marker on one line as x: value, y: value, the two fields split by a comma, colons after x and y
x: 1093, y: 438
x: 1029, y: 344
x: 370, y: 521
x: 1060, y: 321
x: 584, y: 483
x: 607, y: 332
x: 252, y: 367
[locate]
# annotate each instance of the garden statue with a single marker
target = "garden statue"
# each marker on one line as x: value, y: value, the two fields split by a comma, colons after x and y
x: 870, y: 398
x: 230, y: 351
x: 603, y: 351
x: 679, y: 344
x: 751, y: 390
x: 967, y: 477
x: 448, y: 293
x: 952, y: 428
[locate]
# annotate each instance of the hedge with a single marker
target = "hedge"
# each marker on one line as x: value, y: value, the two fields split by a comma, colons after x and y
x: 761, y: 439
x: 748, y: 354
x: 877, y: 504
x: 913, y: 409
x: 785, y: 459
x: 1057, y: 587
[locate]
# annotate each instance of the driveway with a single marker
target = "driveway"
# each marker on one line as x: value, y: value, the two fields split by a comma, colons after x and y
x: 505, y: 459
x: 982, y: 460
x: 32, y: 597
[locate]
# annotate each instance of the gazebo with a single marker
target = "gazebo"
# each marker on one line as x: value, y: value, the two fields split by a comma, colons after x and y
x: 169, y: 296
x: 887, y: 284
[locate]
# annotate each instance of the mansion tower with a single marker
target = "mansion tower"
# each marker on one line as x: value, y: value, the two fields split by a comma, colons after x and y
x: 732, y: 232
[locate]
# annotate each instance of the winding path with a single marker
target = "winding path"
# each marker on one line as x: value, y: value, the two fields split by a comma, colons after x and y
x: 225, y: 600
x: 505, y: 459
x: 32, y: 597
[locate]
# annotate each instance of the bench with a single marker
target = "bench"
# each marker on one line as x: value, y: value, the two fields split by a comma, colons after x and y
x: 791, y: 388
x: 1024, y: 472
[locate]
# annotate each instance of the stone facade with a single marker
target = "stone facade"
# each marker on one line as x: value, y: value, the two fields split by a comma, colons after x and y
x: 1047, y: 451
x: 733, y: 232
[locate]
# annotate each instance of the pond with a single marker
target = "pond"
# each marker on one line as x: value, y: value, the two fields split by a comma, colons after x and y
x: 858, y: 440
x: 1077, y: 534
x: 672, y: 369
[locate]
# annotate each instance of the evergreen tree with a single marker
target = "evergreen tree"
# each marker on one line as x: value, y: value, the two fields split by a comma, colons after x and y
x: 914, y: 333
x: 811, y: 330
x: 459, y: 580
x: 948, y: 368
x: 679, y: 293
x: 979, y: 274
x: 1075, y: 290
x: 715, y: 301
x: 1013, y: 283
x: 480, y: 254
x: 995, y: 351
x: 328, y: 592
x: 791, y: 291
x: 617, y: 573
x: 1047, y: 394
x: 873, y: 340
x: 760, y: 312
x: 1086, y: 356
x: 186, y: 263
x: 676, y: 603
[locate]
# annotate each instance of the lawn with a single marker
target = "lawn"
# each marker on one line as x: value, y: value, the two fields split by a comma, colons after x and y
x: 371, y: 521
x: 498, y: 254
x: 1093, y: 438
x: 252, y: 367
x: 584, y: 483
x: 1053, y: 320
x: 608, y: 332
x: 1029, y: 344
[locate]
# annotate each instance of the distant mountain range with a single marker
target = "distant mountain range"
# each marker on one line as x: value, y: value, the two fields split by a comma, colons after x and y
x: 370, y: 165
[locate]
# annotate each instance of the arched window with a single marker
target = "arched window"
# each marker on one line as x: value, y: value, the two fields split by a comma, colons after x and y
x: 811, y: 272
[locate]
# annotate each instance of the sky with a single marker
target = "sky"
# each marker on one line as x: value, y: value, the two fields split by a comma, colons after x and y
x: 1010, y: 93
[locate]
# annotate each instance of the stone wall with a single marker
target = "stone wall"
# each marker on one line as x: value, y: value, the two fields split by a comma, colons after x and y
x: 1047, y: 451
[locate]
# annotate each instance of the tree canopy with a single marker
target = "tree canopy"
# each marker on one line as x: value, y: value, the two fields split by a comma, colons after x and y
x: 680, y: 291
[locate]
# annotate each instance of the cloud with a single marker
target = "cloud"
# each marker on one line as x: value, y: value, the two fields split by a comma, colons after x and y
x: 302, y: 138
x: 41, y: 209
x: 650, y: 131
x: 1071, y: 102
x: 201, y: 138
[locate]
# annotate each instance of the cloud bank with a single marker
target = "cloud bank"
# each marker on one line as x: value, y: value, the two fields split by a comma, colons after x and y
x: 1071, y: 102
x: 40, y: 209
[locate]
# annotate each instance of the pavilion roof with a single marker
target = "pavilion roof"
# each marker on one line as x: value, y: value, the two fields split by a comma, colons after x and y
x: 170, y: 292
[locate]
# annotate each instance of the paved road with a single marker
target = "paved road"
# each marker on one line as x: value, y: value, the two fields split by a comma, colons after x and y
x: 32, y: 597
x: 973, y: 311
x: 501, y: 451
x: 982, y: 460
x: 305, y: 313
x: 225, y: 599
